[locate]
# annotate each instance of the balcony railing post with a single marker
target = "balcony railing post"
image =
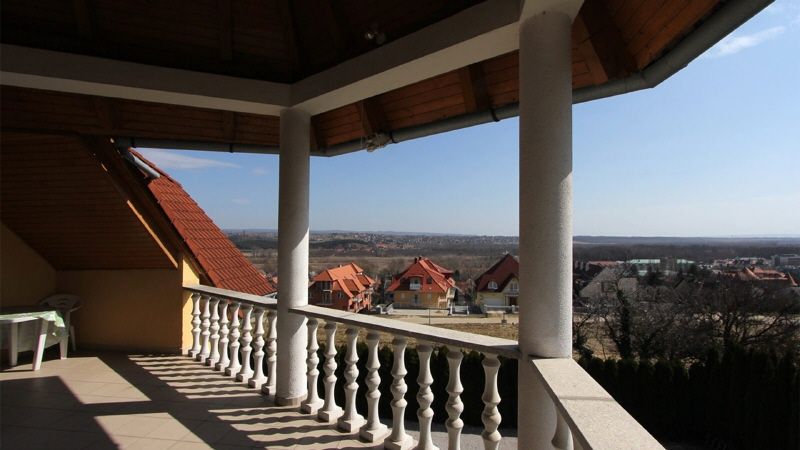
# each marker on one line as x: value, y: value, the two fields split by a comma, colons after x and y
x: 562, y: 439
x: 258, y: 355
x: 214, y: 336
x: 234, y: 367
x: 330, y: 410
x: 224, y: 358
x: 454, y: 404
x: 195, y: 350
x: 491, y: 398
x: 269, y: 387
x: 312, y: 403
x: 246, y: 349
x: 373, y: 430
x: 204, y: 333
x: 399, y: 439
x: 425, y: 397
x: 351, y: 420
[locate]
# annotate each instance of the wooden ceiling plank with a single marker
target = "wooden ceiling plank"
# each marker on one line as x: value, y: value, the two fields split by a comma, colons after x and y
x: 225, y: 15
x: 372, y: 116
x: 473, y: 88
x: 229, y: 125
x: 290, y: 36
x: 604, y: 50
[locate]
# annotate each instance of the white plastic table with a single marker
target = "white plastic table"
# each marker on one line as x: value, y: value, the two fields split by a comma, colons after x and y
x: 43, y: 317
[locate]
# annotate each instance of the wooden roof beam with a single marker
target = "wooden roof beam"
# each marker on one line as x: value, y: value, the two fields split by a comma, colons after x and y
x: 600, y: 43
x: 373, y: 119
x: 473, y: 87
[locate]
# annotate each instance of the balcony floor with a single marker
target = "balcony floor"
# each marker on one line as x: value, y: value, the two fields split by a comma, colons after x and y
x: 115, y: 400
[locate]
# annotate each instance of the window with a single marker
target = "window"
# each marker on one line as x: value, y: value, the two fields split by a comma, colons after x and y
x: 326, y: 298
x: 492, y: 285
x: 429, y: 280
x: 339, y: 295
x: 513, y: 286
x: 414, y: 284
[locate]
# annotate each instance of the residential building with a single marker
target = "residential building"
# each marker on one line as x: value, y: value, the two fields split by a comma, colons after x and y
x: 606, y: 284
x: 768, y: 278
x: 423, y: 284
x: 498, y: 286
x: 788, y: 259
x: 345, y: 287
x: 667, y: 266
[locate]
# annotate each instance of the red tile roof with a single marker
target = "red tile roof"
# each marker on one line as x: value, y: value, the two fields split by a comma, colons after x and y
x: 441, y: 279
x: 501, y: 273
x: 225, y: 266
x: 349, y: 279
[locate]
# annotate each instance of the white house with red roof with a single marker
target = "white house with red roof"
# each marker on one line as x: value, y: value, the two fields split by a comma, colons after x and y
x: 424, y: 284
x: 345, y: 287
x: 499, y: 285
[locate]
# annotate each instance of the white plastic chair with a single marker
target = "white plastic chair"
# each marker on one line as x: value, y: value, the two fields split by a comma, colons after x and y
x: 65, y: 303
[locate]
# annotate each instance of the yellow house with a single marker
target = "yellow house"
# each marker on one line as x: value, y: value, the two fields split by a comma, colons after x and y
x: 80, y: 217
x: 499, y: 285
x: 423, y: 284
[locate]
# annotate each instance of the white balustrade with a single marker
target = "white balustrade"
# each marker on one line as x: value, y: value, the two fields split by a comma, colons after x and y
x: 330, y: 410
x: 195, y: 350
x: 491, y: 398
x: 373, y: 430
x: 247, y: 337
x: 454, y: 404
x: 313, y: 402
x: 213, y: 358
x: 224, y: 330
x: 562, y: 439
x: 351, y: 420
x: 272, y: 347
x: 204, y: 333
x: 258, y: 378
x: 235, y: 366
x: 425, y: 397
x: 399, y: 439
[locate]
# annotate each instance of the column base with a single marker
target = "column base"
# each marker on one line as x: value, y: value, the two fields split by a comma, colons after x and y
x: 231, y: 372
x: 268, y: 390
x: 201, y: 358
x: 350, y: 425
x: 311, y: 408
x: 406, y: 443
x: 244, y: 377
x: 255, y: 383
x: 219, y: 367
x: 330, y: 416
x: 377, y: 434
x: 211, y: 362
x: 192, y: 353
x: 293, y: 401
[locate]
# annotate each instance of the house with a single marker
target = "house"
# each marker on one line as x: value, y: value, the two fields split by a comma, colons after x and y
x: 606, y: 284
x: 117, y: 231
x: 345, y: 287
x: 499, y: 285
x: 423, y: 284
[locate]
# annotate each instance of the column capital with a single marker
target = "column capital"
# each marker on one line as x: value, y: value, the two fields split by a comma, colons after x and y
x: 531, y: 8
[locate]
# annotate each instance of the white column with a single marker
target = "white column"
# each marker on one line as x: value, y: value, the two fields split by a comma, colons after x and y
x: 399, y: 439
x: 545, y: 204
x: 491, y: 398
x: 258, y: 378
x: 373, y: 430
x: 214, y: 333
x: 272, y: 347
x: 312, y: 403
x: 224, y: 331
x: 246, y: 348
x: 425, y: 397
x: 330, y: 410
x: 204, y: 333
x: 454, y: 404
x: 195, y: 325
x: 292, y: 255
x: 234, y: 367
x: 351, y: 420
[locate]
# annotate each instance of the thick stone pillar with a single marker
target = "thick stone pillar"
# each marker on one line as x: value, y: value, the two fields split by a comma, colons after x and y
x: 545, y: 210
x: 292, y: 255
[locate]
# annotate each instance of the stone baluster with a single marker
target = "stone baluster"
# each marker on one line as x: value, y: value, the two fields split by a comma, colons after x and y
x: 491, y: 398
x: 330, y: 410
x: 373, y: 430
x: 258, y: 378
x: 213, y: 358
x: 351, y: 420
x: 272, y: 348
x: 313, y: 402
x: 246, y: 349
x: 562, y: 439
x: 195, y: 350
x: 454, y: 405
x: 398, y: 439
x: 224, y: 331
x: 425, y: 397
x: 204, y: 333
x: 235, y: 366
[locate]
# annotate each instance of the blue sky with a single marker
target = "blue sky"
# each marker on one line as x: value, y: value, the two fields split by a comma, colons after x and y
x: 713, y: 151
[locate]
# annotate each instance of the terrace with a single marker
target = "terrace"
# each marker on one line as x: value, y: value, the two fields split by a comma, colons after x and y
x: 82, y: 81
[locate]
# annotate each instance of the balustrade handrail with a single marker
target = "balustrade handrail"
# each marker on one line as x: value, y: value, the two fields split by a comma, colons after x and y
x: 595, y: 419
x: 250, y: 299
x: 457, y: 339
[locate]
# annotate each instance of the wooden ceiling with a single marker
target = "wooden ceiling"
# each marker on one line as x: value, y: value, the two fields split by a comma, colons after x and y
x: 63, y: 203
x: 284, y: 40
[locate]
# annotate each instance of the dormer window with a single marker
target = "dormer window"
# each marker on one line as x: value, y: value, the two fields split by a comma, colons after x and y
x: 414, y: 284
x: 493, y: 285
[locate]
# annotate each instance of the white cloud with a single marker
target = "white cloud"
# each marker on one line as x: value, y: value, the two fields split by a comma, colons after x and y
x: 734, y: 44
x: 172, y: 159
x: 260, y: 171
x: 241, y: 201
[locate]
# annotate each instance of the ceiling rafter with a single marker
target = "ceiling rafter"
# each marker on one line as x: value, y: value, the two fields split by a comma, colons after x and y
x: 601, y: 44
x: 473, y: 87
x: 373, y: 119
